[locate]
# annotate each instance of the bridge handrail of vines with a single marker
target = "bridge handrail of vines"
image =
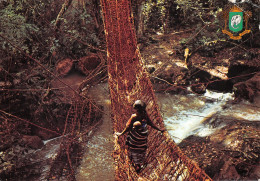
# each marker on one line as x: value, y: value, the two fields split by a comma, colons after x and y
x: 128, y: 81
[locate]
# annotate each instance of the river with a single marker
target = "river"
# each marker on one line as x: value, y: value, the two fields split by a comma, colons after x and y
x: 183, y: 115
x: 97, y: 162
x: 186, y: 115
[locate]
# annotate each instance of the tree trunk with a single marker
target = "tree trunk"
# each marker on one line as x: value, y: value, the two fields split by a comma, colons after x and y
x: 140, y: 19
x: 166, y: 19
x: 65, y: 6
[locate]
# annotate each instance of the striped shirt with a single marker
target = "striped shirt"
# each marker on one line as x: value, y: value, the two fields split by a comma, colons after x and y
x: 137, y: 138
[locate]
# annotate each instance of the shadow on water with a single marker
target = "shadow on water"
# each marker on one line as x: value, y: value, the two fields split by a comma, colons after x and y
x: 186, y: 115
x: 97, y: 162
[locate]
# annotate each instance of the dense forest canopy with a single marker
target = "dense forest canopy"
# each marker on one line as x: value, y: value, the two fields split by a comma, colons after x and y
x: 45, y: 29
x: 35, y: 35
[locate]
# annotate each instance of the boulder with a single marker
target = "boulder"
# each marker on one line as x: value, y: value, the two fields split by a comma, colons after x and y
x: 88, y: 63
x: 32, y: 141
x: 198, y: 88
x: 249, y: 89
x: 63, y: 67
x: 43, y: 134
x: 227, y: 172
x: 29, y: 164
x: 172, y: 73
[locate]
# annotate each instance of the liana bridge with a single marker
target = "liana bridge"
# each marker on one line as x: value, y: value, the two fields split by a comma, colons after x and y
x: 128, y: 81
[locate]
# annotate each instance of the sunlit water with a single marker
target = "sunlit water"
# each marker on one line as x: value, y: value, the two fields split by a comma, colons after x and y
x: 186, y: 115
x: 183, y: 115
x: 97, y: 162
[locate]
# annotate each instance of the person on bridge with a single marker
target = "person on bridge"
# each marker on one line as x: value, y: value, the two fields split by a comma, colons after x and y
x: 138, y: 133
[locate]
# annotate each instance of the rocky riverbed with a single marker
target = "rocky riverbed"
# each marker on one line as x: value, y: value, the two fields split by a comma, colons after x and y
x: 231, y: 152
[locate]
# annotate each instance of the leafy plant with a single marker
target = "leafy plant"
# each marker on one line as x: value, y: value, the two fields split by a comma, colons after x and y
x: 16, y: 29
x: 31, y: 26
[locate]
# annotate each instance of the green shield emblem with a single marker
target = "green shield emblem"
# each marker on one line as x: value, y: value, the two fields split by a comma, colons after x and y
x: 235, y: 21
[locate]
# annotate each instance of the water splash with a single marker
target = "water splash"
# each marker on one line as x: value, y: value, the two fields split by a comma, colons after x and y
x: 185, y: 115
x: 98, y: 163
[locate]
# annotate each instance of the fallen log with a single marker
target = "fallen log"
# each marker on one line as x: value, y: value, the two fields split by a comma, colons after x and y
x: 214, y: 72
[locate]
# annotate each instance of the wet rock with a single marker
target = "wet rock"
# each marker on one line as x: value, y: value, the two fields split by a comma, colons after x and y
x: 63, y: 67
x: 43, y: 134
x: 88, y: 63
x: 29, y: 165
x: 221, y: 86
x: 240, y: 73
x: 32, y: 141
x: 198, y: 88
x: 177, y: 90
x: 249, y: 89
x: 171, y: 73
x: 150, y: 68
x: 227, y: 172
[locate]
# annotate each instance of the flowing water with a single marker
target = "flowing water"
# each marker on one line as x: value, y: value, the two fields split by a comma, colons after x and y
x: 186, y: 115
x: 183, y: 115
x: 97, y: 162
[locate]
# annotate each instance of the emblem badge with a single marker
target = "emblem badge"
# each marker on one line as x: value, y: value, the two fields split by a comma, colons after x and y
x: 236, y: 22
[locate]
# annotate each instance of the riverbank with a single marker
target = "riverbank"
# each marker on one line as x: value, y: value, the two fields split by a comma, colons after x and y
x: 231, y: 150
x: 44, y: 136
x: 173, y: 70
x: 222, y: 137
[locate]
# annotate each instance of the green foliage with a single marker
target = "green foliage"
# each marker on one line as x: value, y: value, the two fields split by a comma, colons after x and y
x: 31, y: 26
x: 203, y: 18
x: 154, y: 12
x: 193, y: 11
x: 14, y: 26
x: 163, y: 14
x: 76, y: 25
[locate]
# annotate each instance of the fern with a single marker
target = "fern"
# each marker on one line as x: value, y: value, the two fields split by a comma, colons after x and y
x: 15, y: 28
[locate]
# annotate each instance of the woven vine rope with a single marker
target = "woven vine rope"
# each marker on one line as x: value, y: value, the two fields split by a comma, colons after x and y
x: 128, y: 81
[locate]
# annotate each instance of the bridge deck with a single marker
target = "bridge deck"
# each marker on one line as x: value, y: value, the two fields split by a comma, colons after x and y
x: 128, y: 81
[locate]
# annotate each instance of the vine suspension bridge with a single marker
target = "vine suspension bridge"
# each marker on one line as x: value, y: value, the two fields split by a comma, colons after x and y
x: 129, y: 81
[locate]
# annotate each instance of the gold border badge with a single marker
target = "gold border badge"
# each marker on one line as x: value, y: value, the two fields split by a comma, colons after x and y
x: 227, y: 31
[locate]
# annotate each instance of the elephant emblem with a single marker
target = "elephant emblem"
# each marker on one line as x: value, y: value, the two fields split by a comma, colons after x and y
x: 235, y: 20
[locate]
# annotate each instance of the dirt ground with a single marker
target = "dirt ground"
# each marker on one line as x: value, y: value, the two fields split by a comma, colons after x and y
x: 170, y: 71
x: 165, y: 60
